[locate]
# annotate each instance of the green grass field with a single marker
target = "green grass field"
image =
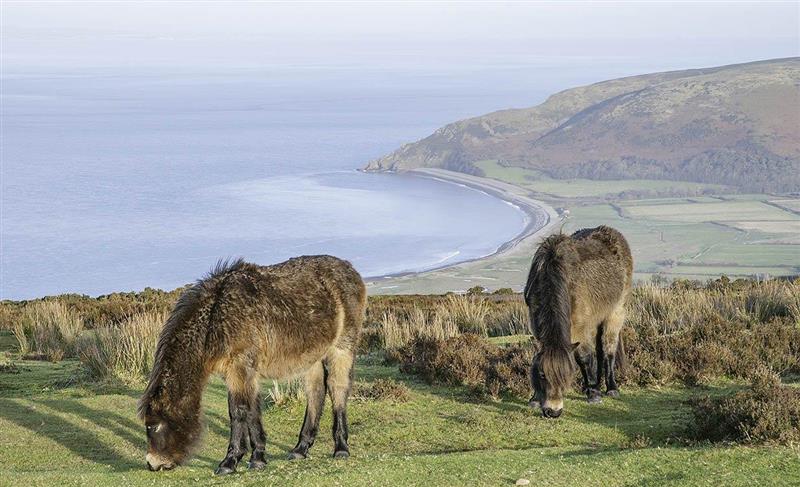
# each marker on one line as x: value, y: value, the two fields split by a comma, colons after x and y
x: 698, y: 237
x: 59, y: 432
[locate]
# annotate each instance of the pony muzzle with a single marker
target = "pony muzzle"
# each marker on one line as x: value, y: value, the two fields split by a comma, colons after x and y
x: 156, y: 463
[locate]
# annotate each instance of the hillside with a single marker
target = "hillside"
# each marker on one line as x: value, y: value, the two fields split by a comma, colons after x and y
x: 737, y: 125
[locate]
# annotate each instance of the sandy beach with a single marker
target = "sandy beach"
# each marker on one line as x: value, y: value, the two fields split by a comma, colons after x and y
x: 505, y: 267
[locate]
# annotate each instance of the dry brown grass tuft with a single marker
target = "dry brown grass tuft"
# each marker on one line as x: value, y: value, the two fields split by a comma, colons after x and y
x: 399, y: 330
x: 286, y: 393
x: 48, y: 330
x: 124, y: 352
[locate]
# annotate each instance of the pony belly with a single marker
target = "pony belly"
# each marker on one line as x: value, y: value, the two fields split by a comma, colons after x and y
x: 289, y: 366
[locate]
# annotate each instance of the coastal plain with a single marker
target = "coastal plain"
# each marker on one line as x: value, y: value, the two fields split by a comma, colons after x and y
x: 707, y: 231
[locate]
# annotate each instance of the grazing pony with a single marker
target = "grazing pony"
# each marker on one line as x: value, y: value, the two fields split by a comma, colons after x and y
x: 576, y: 293
x: 244, y: 321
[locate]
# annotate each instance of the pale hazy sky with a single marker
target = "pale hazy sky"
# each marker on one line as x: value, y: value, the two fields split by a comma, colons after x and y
x: 208, y: 34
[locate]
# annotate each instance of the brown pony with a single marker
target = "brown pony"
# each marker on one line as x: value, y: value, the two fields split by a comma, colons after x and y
x: 244, y: 321
x: 576, y: 293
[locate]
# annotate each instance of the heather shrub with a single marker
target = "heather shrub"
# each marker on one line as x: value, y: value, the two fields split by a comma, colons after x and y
x: 765, y: 412
x: 469, y: 360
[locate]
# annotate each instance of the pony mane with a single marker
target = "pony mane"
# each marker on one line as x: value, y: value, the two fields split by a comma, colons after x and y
x: 547, y: 295
x: 185, y: 308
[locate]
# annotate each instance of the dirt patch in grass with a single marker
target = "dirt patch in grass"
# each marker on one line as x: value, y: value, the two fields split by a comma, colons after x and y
x: 382, y: 390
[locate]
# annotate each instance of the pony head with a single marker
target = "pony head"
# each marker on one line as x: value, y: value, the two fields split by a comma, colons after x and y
x: 551, y: 376
x: 171, y: 435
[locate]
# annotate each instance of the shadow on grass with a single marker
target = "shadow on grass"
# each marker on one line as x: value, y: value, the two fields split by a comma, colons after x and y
x: 79, y: 440
x: 649, y: 415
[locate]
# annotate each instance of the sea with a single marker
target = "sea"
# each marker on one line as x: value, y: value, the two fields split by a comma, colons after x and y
x: 126, y: 178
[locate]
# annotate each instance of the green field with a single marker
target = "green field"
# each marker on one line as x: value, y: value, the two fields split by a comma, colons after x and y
x: 690, y: 242
x: 59, y: 432
x: 698, y: 237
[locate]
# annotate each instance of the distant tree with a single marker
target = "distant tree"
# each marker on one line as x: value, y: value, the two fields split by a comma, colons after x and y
x: 504, y: 291
x: 476, y: 291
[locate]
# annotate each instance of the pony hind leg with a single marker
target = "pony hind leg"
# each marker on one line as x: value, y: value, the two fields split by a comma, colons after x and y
x: 315, y: 388
x: 339, y: 380
x: 610, y: 343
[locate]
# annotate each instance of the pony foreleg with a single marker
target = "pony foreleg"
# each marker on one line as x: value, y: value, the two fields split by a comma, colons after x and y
x: 587, y: 362
x: 258, y: 438
x: 315, y: 395
x: 238, y: 410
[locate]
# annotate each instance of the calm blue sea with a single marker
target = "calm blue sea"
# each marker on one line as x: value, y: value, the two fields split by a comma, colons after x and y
x: 116, y: 180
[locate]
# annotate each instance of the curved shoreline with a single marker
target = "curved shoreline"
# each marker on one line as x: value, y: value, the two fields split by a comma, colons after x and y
x: 540, y: 216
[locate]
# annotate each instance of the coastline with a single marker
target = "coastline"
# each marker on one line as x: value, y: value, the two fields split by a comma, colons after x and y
x: 541, y: 219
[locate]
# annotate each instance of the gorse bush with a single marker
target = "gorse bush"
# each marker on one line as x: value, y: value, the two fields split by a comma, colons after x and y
x: 125, y: 351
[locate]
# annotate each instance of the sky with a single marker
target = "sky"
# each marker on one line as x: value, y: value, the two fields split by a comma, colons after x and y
x: 192, y: 35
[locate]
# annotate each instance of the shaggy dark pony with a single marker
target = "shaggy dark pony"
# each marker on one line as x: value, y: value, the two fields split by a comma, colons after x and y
x: 244, y: 322
x: 576, y: 293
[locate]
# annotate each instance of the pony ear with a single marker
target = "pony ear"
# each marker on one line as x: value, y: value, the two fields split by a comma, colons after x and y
x: 575, y: 345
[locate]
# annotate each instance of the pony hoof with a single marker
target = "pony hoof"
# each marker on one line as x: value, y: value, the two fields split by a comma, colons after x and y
x: 341, y: 454
x: 296, y: 455
x: 595, y: 400
x: 224, y: 470
x: 613, y: 393
x: 256, y: 465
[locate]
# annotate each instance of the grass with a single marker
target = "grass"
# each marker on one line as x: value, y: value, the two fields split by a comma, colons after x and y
x: 61, y: 426
x: 440, y: 436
